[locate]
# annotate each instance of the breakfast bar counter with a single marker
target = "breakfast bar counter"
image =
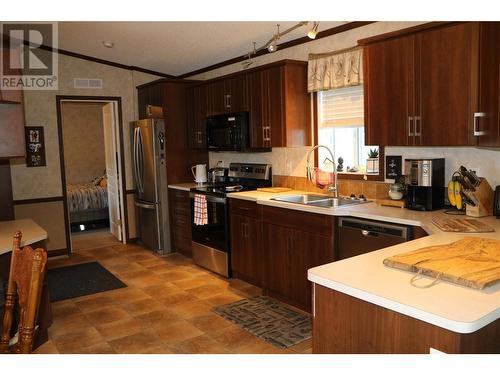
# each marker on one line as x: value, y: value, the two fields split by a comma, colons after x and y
x: 364, y: 283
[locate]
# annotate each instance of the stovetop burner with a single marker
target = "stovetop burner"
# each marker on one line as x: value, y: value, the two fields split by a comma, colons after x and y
x: 241, y: 177
x: 222, y: 189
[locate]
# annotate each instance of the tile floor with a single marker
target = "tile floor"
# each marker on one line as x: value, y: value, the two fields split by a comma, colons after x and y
x: 166, y: 308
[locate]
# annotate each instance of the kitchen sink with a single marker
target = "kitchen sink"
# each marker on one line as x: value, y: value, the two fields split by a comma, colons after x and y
x: 302, y: 198
x: 319, y: 200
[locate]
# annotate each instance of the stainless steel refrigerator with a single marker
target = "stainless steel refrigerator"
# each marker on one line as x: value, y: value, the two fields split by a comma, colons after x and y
x: 150, y: 177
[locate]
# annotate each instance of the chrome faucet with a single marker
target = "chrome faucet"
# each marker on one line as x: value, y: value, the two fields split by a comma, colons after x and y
x: 332, y: 188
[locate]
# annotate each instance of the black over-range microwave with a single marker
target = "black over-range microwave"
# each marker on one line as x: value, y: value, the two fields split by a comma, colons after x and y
x: 228, y: 132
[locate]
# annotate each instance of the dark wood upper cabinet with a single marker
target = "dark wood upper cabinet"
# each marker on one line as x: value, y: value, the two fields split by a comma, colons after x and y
x: 258, y: 90
x: 197, y: 110
x: 275, y: 96
x: 172, y: 96
x: 425, y: 86
x: 446, y: 89
x: 388, y: 91
x: 280, y: 107
x: 227, y: 95
x: 487, y: 119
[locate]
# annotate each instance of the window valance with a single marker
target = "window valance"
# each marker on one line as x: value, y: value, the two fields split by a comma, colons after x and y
x: 333, y: 70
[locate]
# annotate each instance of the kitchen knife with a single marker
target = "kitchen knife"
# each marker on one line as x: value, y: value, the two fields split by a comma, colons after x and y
x: 471, y: 177
x: 465, y: 182
x: 469, y: 198
x: 475, y: 180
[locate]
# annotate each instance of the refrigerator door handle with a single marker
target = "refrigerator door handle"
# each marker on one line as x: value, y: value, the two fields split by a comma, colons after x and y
x: 136, y: 169
x: 140, y: 164
x: 147, y: 206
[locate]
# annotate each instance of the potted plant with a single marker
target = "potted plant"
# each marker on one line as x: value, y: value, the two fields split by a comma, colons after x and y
x: 372, y: 161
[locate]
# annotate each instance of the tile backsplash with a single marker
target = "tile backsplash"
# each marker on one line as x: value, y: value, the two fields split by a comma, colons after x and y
x: 291, y: 161
x: 370, y: 189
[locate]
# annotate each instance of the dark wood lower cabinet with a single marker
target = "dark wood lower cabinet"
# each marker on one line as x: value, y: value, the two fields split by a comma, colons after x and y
x: 246, y: 255
x: 180, y: 221
x: 343, y: 325
x: 246, y: 241
x: 294, y: 241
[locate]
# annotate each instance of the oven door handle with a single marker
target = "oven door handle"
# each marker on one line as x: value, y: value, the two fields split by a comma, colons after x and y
x: 210, y: 198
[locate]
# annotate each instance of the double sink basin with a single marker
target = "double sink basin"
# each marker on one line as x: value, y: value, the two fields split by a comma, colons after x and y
x: 319, y: 200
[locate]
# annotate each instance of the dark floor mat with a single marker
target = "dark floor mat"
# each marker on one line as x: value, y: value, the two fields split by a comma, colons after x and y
x: 80, y: 280
x: 268, y: 319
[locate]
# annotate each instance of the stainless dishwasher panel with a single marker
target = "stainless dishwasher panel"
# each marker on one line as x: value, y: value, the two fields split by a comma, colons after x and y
x: 359, y: 236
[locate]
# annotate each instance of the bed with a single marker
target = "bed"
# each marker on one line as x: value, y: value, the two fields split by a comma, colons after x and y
x: 88, y: 205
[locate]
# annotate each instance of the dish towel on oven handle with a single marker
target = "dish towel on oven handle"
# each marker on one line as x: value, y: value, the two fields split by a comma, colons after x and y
x: 200, y: 209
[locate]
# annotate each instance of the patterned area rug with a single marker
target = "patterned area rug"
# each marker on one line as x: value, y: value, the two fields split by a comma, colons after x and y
x: 269, y: 320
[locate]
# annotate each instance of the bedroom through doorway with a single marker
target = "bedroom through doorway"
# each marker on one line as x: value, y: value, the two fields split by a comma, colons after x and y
x: 92, y: 169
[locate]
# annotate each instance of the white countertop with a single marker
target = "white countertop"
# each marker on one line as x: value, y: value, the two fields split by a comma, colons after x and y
x: 450, y: 306
x: 32, y: 233
x: 187, y: 186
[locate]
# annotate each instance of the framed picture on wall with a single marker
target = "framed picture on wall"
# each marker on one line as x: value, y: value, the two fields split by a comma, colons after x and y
x: 35, y: 146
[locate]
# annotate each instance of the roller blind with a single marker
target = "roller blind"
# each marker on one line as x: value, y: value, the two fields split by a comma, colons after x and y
x: 341, y: 108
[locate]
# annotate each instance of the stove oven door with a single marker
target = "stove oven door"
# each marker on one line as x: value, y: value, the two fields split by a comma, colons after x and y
x: 210, y: 242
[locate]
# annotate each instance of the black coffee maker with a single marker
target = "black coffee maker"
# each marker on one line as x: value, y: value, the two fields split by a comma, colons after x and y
x: 425, y: 184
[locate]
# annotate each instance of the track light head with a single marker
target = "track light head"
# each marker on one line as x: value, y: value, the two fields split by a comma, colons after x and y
x: 313, y: 31
x: 273, y: 46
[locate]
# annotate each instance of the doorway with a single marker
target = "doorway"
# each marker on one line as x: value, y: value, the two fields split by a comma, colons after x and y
x: 92, y: 169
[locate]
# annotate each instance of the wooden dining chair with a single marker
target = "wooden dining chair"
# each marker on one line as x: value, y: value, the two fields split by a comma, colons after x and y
x: 27, y: 271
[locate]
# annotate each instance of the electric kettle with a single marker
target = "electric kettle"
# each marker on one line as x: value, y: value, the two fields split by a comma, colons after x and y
x: 199, y: 172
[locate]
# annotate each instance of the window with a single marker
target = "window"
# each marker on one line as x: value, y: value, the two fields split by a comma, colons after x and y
x: 341, y: 127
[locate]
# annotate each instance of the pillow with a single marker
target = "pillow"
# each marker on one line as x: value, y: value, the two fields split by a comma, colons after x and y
x: 104, y: 182
x: 96, y: 181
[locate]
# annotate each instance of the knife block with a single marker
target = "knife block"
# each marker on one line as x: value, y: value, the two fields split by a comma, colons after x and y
x: 483, y: 198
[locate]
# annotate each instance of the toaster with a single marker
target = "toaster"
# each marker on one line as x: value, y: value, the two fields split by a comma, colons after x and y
x: 496, y: 202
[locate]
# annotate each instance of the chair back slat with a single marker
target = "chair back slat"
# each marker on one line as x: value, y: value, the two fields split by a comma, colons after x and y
x: 27, y: 271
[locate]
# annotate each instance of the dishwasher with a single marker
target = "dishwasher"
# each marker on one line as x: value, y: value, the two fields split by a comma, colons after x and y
x: 360, y: 236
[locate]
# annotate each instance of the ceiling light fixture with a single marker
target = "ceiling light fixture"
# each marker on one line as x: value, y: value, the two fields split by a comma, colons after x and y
x: 272, y: 44
x: 313, y: 31
x: 108, y: 44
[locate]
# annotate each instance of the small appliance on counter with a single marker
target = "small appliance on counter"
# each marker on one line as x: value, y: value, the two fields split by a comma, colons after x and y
x: 425, y: 184
x: 218, y: 174
x: 199, y: 172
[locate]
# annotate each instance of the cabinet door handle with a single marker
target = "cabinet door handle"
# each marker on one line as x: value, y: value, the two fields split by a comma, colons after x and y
x: 417, y: 121
x: 243, y: 208
x: 410, y: 132
x: 198, y: 136
x: 477, y: 132
x: 228, y: 101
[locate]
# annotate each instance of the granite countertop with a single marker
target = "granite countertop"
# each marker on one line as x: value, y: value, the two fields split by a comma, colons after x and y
x: 450, y: 306
x: 32, y: 233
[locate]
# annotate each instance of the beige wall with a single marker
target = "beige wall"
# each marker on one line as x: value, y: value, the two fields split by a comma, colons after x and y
x: 291, y: 161
x: 40, y: 109
x: 83, y: 141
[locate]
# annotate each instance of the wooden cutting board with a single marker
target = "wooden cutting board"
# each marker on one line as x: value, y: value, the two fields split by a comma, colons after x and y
x: 462, y: 225
x: 276, y: 189
x: 471, y: 262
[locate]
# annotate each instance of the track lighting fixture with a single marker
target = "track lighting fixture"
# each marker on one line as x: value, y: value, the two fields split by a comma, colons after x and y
x: 313, y: 31
x: 272, y: 44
